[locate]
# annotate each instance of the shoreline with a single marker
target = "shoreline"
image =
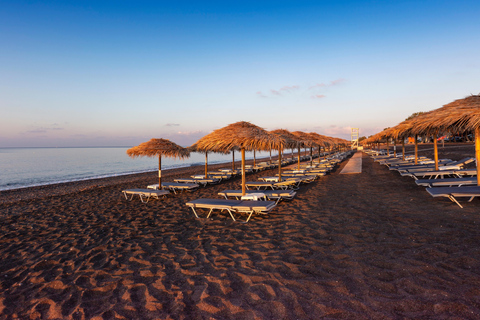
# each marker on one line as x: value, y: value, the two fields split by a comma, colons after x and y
x: 64, y: 188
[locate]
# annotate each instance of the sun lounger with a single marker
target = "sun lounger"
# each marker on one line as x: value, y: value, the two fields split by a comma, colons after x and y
x: 441, y: 174
x: 452, y: 192
x: 199, y: 181
x: 447, y: 182
x: 277, y: 195
x: 443, y: 165
x: 287, y: 184
x: 145, y: 194
x: 175, y: 186
x: 232, y: 206
x: 213, y: 175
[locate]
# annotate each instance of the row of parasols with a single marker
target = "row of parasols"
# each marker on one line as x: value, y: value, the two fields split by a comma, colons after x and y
x: 460, y: 116
x: 240, y: 136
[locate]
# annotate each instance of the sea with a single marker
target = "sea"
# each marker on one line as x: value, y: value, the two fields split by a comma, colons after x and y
x: 28, y: 167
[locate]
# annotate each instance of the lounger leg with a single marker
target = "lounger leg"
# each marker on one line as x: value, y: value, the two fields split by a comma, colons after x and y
x: 209, y: 213
x: 231, y: 215
x: 194, y: 212
x: 126, y: 196
x: 471, y: 199
x: 455, y: 200
x: 142, y: 198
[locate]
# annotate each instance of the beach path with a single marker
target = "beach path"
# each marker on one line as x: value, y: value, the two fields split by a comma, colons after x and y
x: 354, y: 165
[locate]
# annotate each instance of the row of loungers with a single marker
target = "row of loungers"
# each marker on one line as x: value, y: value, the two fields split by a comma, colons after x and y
x: 260, y: 201
x: 280, y: 190
x: 194, y: 182
x: 451, y: 181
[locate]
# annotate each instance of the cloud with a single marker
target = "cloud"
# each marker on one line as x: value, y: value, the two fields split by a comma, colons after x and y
x: 172, y: 125
x: 318, y: 96
x: 332, y: 83
x: 337, y: 82
x: 186, y: 138
x: 280, y: 92
x: 289, y: 88
x: 39, y: 129
x: 318, y: 85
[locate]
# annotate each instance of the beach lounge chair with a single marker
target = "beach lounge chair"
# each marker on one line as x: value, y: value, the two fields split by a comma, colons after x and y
x: 447, y: 182
x: 276, y: 195
x: 287, y: 184
x: 175, y: 186
x: 443, y: 165
x: 145, y: 194
x: 452, y: 192
x: 441, y: 174
x: 232, y: 206
x: 200, y: 181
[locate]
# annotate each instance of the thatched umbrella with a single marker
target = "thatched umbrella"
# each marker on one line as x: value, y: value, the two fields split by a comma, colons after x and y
x: 194, y: 148
x: 290, y: 141
x: 242, y: 135
x: 159, y: 148
x: 458, y: 116
x: 320, y: 141
x: 304, y: 140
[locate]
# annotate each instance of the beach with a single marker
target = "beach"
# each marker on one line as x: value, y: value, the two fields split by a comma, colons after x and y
x: 354, y: 246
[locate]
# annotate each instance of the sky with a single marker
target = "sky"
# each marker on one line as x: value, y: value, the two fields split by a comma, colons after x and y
x: 118, y: 73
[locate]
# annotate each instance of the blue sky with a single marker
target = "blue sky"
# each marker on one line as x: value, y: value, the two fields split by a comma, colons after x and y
x: 117, y: 73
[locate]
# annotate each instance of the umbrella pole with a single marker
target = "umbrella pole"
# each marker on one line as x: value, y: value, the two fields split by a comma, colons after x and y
x: 279, y: 165
x: 311, y: 156
x: 416, y: 149
x: 270, y: 156
x: 233, y: 160
x: 388, y: 150
x: 206, y: 164
x: 299, y: 158
x: 435, y: 150
x: 243, y: 171
x: 477, y: 152
x: 254, y: 159
x: 159, y: 172
x: 395, y: 148
x: 403, y: 149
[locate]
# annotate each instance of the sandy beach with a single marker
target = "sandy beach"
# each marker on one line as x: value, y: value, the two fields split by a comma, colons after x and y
x: 361, y: 246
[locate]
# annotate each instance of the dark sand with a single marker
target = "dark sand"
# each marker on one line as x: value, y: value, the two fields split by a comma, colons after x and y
x: 361, y: 246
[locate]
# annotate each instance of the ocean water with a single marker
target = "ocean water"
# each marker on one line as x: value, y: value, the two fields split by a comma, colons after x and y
x: 27, y: 167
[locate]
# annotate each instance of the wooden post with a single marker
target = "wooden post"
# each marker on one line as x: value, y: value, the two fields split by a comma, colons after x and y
x: 206, y: 164
x: 388, y: 150
x: 298, y: 158
x: 435, y: 150
x: 395, y: 147
x: 279, y: 164
x: 159, y: 172
x: 416, y: 150
x: 311, y: 156
x: 477, y: 152
x: 243, y: 171
x: 403, y: 149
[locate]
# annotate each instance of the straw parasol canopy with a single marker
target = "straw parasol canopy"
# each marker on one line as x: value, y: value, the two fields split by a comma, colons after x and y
x: 194, y: 148
x: 458, y: 116
x: 241, y: 135
x: 290, y: 142
x: 304, y: 140
x: 159, y: 148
